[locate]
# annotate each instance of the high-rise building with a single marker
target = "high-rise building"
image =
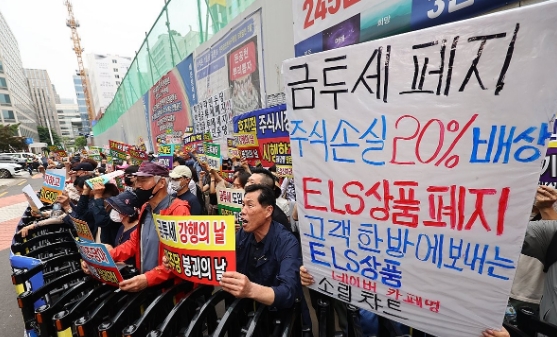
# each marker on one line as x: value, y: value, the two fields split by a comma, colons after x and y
x: 105, y: 73
x: 15, y: 100
x: 70, y: 120
x: 44, y: 96
x: 81, y: 104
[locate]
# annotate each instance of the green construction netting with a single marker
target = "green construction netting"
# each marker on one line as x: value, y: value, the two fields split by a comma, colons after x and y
x: 181, y: 27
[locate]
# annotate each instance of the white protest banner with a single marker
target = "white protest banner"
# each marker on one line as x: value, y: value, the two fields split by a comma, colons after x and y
x: 416, y: 160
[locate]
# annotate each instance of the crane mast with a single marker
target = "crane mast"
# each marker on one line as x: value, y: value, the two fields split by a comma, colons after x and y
x: 73, y: 24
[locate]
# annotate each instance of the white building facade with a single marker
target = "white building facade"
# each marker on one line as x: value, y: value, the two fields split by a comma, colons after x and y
x: 16, y: 105
x: 105, y: 73
x: 70, y: 120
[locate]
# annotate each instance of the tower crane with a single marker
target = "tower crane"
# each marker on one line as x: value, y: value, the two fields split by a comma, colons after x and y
x: 73, y: 24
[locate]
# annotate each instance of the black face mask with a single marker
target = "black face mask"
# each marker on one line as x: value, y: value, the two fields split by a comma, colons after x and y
x: 128, y: 181
x: 144, y: 195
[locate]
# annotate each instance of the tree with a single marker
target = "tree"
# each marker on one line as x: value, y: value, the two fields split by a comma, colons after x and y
x: 9, y: 139
x: 80, y: 142
x: 44, y: 136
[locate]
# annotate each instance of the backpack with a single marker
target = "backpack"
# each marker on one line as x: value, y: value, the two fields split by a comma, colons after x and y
x: 201, y: 199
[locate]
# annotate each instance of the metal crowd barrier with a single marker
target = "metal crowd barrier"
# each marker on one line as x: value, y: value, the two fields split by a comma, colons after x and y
x: 58, y: 300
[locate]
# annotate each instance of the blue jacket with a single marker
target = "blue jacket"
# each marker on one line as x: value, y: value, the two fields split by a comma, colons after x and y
x: 280, y: 267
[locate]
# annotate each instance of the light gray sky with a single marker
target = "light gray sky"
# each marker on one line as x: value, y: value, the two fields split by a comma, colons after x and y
x: 107, y: 27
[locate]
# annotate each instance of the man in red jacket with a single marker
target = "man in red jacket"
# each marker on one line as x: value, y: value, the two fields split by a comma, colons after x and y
x: 151, y: 190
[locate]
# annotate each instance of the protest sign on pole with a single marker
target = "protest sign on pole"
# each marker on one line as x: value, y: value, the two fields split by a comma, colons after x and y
x: 265, y: 130
x: 99, y: 262
x: 229, y: 201
x: 212, y: 152
x: 53, y: 185
x: 118, y: 150
x: 82, y: 230
x: 138, y: 156
x: 416, y: 160
x: 166, y: 155
x: 199, y: 248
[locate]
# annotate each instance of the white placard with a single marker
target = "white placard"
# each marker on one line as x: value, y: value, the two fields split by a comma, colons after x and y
x: 32, y: 198
x: 415, y: 184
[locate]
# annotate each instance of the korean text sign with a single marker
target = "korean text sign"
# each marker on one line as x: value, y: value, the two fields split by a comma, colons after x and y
x: 416, y: 165
x: 212, y: 151
x: 53, y: 185
x: 199, y: 248
x: 230, y: 202
x: 100, y: 263
x: 263, y: 135
x: 166, y: 155
x: 549, y: 167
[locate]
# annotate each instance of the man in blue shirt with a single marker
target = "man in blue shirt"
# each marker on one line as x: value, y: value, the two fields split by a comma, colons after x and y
x: 267, y: 255
x: 180, y: 181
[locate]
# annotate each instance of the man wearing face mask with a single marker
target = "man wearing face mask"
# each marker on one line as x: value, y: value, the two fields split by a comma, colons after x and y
x: 180, y: 179
x: 144, y: 244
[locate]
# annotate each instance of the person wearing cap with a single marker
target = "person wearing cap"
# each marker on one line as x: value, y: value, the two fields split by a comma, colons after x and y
x: 144, y: 244
x: 82, y: 169
x: 129, y: 178
x: 181, y: 176
x: 97, y: 196
x: 124, y: 212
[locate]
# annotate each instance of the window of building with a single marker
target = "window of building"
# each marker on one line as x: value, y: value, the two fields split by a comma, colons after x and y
x: 8, y: 114
x: 115, y: 70
x: 3, y: 83
x: 118, y: 82
x: 117, y: 76
x: 5, y: 100
x: 114, y: 61
x: 1, y: 68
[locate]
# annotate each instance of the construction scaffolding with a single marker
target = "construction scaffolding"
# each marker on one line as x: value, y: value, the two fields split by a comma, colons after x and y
x: 180, y: 28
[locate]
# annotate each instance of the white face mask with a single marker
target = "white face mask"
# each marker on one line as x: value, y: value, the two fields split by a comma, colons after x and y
x: 115, y: 216
x: 175, y: 185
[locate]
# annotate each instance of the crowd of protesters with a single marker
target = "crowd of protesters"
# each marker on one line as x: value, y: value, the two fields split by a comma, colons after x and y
x: 123, y: 220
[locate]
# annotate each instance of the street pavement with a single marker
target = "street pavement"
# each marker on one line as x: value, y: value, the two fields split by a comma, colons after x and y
x: 12, y: 206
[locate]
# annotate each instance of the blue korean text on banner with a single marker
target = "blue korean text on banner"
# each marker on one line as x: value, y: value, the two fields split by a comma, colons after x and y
x: 187, y: 72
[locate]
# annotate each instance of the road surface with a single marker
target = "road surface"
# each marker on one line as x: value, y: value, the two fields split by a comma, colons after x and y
x: 12, y: 205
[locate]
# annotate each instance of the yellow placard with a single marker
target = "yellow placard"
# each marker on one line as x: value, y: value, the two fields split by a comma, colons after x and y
x: 209, y: 233
x: 248, y: 139
x: 49, y: 195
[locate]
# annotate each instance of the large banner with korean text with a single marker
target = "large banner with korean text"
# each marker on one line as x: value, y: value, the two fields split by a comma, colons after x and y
x: 229, y: 77
x: 168, y: 103
x: 199, y: 248
x: 262, y: 135
x: 416, y: 160
x: 321, y: 25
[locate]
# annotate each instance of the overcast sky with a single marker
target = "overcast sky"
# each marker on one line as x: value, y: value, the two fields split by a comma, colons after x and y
x: 107, y: 27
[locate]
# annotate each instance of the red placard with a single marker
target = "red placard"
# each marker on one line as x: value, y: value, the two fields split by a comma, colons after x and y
x: 242, y: 62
